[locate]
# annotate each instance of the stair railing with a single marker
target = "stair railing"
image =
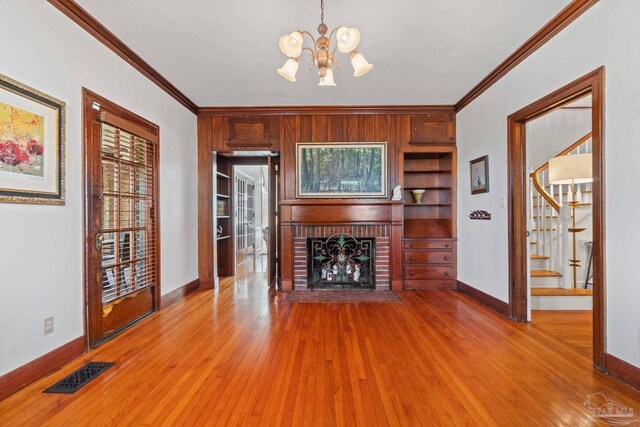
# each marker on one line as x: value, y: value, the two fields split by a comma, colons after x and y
x: 536, y: 175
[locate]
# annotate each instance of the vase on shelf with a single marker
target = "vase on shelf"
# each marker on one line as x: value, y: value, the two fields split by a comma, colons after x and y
x: 417, y: 196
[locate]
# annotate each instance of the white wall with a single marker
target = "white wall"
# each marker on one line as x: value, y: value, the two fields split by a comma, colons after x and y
x: 41, y: 246
x: 605, y: 35
x: 552, y: 133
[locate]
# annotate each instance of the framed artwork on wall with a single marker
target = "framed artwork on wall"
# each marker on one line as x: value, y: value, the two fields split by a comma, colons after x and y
x: 32, y: 141
x: 341, y: 170
x: 479, y: 169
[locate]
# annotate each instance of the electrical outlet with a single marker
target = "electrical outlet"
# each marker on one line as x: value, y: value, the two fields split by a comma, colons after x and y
x: 48, y: 325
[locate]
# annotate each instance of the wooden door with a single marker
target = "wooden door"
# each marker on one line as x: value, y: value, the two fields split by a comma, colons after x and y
x: 122, y: 259
x: 274, y: 209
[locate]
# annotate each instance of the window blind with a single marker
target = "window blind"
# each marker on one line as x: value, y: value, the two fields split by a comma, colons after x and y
x: 129, y: 257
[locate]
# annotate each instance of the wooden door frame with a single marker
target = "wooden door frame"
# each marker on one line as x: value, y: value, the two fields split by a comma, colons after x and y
x: 592, y: 83
x: 273, y: 171
x: 88, y: 117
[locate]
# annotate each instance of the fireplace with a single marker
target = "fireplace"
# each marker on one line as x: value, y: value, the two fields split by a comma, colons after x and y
x: 376, y: 237
x: 341, y: 261
x: 378, y: 222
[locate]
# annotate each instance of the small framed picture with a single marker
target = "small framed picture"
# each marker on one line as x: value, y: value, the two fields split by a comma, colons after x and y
x: 479, y: 169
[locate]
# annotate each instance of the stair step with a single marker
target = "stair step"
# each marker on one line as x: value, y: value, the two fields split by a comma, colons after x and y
x: 545, y: 273
x: 576, y: 230
x: 534, y: 256
x: 544, y: 229
x: 575, y: 292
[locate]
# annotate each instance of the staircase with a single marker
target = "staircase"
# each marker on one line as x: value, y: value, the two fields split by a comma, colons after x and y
x: 552, y: 228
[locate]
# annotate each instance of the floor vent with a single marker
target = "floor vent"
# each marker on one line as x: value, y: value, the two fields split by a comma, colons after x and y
x: 79, y: 378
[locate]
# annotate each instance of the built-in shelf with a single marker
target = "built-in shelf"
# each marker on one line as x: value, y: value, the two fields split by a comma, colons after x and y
x: 427, y: 205
x: 426, y: 228
x: 223, y: 190
x: 427, y: 171
x: 427, y: 188
x: 432, y: 172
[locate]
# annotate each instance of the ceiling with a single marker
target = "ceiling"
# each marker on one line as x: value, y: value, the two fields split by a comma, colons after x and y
x: 225, y: 53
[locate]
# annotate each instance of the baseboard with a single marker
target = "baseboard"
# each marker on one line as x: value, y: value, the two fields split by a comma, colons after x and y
x: 624, y: 371
x: 178, y: 294
x: 20, y: 377
x: 207, y: 283
x: 486, y: 299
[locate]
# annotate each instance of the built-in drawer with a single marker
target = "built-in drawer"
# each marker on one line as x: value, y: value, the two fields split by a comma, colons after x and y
x: 422, y: 244
x: 428, y: 273
x: 424, y: 257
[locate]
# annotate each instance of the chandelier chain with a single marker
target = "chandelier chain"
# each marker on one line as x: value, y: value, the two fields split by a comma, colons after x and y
x: 322, y: 11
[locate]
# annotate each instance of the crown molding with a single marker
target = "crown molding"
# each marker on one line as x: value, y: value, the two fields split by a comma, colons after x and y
x: 90, y: 24
x: 566, y: 16
x: 325, y: 110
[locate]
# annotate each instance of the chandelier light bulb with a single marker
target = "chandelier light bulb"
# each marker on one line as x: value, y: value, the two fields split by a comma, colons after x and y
x: 348, y: 39
x: 360, y: 64
x: 289, y: 69
x: 327, y: 80
x: 291, y: 44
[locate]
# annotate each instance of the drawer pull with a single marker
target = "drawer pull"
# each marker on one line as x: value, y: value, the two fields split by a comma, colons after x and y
x: 410, y: 258
x: 446, y: 258
x: 411, y: 246
x: 446, y: 273
x: 411, y: 273
x: 446, y: 245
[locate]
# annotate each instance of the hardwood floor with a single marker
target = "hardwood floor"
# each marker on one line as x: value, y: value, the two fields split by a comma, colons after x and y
x: 239, y: 355
x: 570, y: 327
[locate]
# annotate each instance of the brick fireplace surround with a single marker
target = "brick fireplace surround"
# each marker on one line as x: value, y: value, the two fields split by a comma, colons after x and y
x: 301, y: 219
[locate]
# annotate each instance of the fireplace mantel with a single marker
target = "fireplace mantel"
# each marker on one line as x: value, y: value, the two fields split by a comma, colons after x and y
x: 341, y: 211
x: 302, y: 216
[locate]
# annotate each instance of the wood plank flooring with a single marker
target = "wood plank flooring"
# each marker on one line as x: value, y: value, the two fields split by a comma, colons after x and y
x: 239, y: 355
x: 571, y: 327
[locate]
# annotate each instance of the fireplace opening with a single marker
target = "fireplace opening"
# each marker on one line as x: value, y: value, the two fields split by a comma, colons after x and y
x: 341, y: 262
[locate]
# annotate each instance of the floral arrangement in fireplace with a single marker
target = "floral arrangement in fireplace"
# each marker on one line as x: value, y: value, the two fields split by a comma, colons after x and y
x: 341, y: 260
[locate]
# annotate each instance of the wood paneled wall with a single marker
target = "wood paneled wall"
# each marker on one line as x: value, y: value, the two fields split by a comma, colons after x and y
x: 285, y: 128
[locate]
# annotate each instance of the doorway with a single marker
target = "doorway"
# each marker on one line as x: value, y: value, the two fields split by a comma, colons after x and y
x: 122, y: 281
x: 251, y: 197
x: 559, y: 150
x: 520, y: 204
x: 246, y: 214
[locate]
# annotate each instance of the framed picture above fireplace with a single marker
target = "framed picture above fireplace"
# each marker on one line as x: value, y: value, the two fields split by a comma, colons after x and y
x: 341, y: 170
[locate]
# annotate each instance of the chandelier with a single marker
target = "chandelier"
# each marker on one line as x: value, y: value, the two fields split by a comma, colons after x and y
x: 322, y: 56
